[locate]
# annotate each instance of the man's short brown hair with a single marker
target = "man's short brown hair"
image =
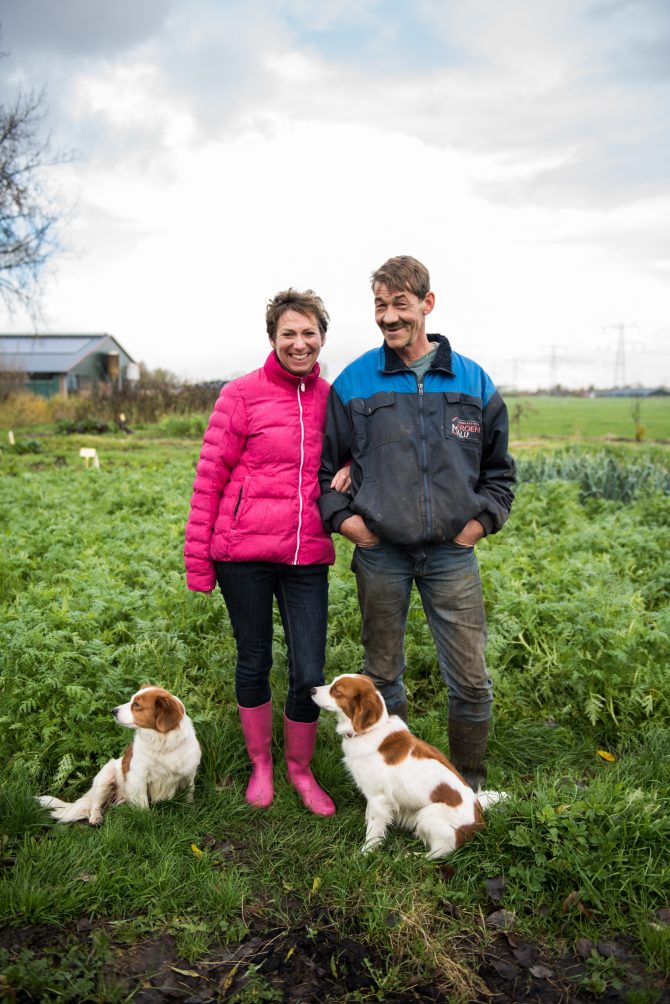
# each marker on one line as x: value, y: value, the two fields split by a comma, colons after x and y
x: 403, y: 272
x: 305, y: 302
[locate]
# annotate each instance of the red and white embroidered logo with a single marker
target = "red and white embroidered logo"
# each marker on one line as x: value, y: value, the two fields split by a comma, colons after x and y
x: 463, y: 429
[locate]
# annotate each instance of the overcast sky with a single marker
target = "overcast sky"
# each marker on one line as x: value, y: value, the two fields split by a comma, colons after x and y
x: 227, y: 150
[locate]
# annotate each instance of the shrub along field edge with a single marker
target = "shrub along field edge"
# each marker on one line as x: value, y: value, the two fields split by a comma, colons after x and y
x: 161, y: 410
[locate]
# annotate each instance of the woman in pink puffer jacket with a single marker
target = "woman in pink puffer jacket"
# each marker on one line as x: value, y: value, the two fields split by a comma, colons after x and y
x: 255, y: 528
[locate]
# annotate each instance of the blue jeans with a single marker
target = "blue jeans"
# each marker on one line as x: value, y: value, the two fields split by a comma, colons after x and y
x: 447, y: 577
x: 249, y: 588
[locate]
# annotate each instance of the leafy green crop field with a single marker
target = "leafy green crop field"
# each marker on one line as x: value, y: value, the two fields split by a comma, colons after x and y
x: 93, y: 604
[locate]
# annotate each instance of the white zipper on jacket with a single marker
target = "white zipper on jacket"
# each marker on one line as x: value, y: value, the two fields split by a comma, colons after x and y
x: 301, y: 387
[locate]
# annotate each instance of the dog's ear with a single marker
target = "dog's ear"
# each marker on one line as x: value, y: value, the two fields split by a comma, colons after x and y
x: 169, y: 712
x: 367, y: 711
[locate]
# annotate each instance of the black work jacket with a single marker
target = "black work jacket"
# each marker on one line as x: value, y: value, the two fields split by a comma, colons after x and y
x: 425, y: 458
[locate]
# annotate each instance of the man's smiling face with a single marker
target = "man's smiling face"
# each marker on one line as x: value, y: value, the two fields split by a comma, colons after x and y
x: 401, y: 317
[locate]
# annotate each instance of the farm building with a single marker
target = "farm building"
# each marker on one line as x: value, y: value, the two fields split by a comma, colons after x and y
x: 67, y: 364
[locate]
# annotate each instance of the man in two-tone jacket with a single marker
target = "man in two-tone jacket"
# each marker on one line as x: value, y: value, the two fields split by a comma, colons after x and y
x: 426, y: 432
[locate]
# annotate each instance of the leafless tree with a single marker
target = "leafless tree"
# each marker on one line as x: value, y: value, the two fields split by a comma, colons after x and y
x: 29, y: 213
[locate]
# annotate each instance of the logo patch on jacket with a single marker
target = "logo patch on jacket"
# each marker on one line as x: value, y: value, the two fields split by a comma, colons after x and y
x: 464, y: 428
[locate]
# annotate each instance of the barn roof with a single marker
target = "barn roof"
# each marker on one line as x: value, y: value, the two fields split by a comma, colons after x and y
x: 53, y: 353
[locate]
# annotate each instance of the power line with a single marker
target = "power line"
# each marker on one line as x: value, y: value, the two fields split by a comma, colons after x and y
x: 554, y: 358
x: 620, y: 351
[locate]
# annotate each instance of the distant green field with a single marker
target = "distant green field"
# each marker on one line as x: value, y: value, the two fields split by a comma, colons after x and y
x: 588, y: 418
x: 562, y: 418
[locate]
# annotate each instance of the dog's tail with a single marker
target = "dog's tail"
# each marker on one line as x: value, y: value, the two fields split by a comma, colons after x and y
x: 103, y: 792
x: 488, y: 798
x: 67, y: 812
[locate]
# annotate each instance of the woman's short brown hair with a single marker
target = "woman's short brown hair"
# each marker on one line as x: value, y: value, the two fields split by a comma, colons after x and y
x: 403, y: 272
x: 305, y: 302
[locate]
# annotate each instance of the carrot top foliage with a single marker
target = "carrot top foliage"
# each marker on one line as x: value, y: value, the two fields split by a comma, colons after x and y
x: 93, y: 604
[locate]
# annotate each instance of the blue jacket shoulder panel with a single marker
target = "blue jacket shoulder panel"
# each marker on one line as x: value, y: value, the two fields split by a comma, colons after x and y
x: 469, y: 378
x: 365, y: 377
x: 370, y: 374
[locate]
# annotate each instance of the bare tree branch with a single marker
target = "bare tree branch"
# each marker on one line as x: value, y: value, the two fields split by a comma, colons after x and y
x: 29, y: 213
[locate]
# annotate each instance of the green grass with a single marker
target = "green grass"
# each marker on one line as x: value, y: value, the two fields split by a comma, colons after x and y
x: 58, y: 975
x: 93, y: 604
x: 586, y: 418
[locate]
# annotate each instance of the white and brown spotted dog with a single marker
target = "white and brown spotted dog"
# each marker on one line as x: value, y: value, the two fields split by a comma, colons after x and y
x: 404, y: 779
x: 162, y: 758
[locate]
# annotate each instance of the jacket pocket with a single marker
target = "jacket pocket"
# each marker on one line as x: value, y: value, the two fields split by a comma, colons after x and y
x: 365, y: 502
x: 375, y: 422
x: 241, y: 503
x: 463, y: 420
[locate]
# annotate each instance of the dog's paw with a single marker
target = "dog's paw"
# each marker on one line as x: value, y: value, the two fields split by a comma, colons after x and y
x: 95, y: 818
x: 439, y: 853
x: 370, y: 845
x: 487, y: 799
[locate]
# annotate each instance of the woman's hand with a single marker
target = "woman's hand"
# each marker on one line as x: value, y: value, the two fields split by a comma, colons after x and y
x: 342, y: 482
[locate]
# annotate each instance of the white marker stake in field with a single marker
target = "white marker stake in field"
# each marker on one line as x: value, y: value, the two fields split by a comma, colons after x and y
x: 89, y: 453
x: 10, y: 437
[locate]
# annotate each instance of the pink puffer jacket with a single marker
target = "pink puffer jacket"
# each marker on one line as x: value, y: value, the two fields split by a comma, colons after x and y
x: 256, y: 487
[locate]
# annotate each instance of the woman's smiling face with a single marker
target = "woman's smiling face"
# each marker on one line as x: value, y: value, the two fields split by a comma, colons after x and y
x: 298, y: 342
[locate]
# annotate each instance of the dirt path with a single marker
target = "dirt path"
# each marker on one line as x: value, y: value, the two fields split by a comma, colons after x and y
x: 288, y: 966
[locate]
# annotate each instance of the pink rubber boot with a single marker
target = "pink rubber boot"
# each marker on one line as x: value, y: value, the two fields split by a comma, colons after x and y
x: 299, y: 743
x: 257, y: 732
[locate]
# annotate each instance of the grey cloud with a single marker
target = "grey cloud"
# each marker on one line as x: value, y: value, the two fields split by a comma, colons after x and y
x: 49, y: 45
x: 80, y: 27
x: 607, y: 8
x: 608, y: 162
x: 217, y: 62
x: 599, y: 116
x: 208, y: 57
x: 639, y: 246
x: 645, y: 60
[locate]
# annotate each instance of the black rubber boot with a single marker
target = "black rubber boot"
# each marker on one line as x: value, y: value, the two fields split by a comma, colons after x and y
x: 399, y: 709
x: 467, y: 750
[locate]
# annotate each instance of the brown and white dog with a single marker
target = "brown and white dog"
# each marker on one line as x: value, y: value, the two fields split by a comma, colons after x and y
x: 162, y: 758
x: 404, y: 779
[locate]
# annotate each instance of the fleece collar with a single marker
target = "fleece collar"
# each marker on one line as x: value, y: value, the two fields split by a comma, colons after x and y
x: 392, y: 363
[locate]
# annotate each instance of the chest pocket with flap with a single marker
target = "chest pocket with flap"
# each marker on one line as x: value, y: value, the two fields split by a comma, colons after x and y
x: 376, y: 422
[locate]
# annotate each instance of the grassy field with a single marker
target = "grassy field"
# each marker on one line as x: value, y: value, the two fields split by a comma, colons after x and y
x: 586, y: 418
x: 93, y: 604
